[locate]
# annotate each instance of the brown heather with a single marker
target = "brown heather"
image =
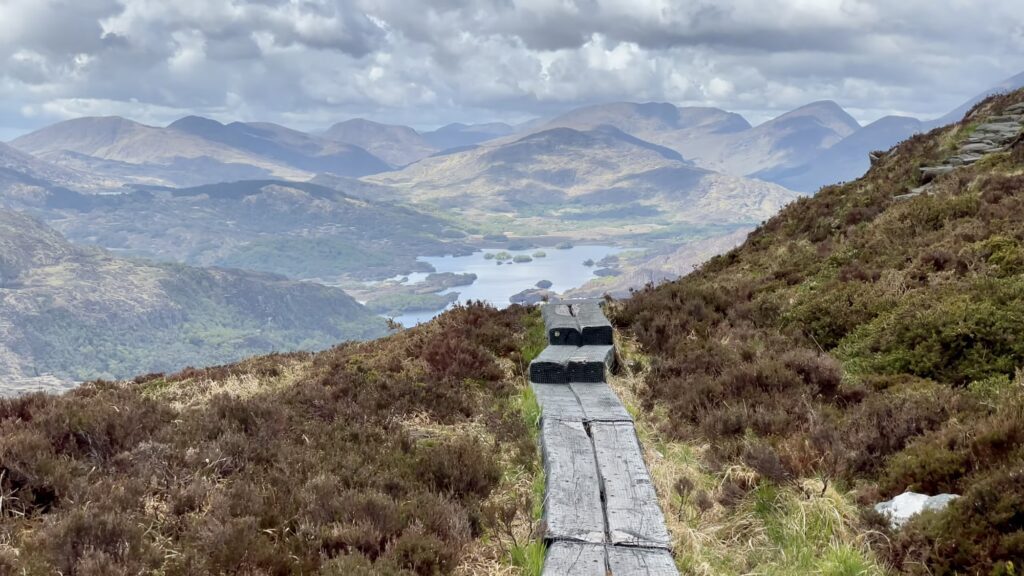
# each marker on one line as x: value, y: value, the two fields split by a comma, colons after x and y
x: 872, y: 341
x: 284, y: 464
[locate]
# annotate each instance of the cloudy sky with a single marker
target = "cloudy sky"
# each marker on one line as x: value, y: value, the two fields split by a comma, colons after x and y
x: 309, y: 63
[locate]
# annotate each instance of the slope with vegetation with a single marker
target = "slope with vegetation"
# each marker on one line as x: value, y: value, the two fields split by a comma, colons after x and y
x: 82, y: 313
x: 409, y: 455
x: 298, y: 229
x: 856, y: 342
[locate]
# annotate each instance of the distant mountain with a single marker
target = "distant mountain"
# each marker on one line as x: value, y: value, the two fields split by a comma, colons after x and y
x: 719, y: 140
x: 787, y: 140
x: 574, y: 175
x: 847, y: 159
x: 301, y: 230
x: 398, y: 145
x: 192, y: 151
x: 652, y: 121
x: 19, y: 170
x: 82, y: 313
x: 460, y: 135
x: 1008, y: 85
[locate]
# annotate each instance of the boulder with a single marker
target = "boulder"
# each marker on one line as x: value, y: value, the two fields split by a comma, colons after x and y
x: 909, y: 504
x: 544, y: 284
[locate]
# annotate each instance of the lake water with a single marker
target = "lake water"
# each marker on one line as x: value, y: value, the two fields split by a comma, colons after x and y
x: 496, y: 284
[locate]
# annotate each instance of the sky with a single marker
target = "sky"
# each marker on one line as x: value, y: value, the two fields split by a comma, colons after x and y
x: 310, y: 63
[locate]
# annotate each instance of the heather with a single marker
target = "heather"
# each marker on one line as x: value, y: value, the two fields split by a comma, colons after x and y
x: 396, y: 456
x: 870, y: 342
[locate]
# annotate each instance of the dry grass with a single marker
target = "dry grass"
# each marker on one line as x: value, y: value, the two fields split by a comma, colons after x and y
x: 729, y: 520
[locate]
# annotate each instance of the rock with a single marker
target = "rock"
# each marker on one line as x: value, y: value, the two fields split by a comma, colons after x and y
x: 543, y: 284
x: 531, y: 296
x: 607, y: 272
x: 563, y: 245
x: 1017, y: 108
x: 964, y: 159
x: 589, y: 262
x: 909, y: 504
x: 981, y: 148
x: 522, y: 259
x: 929, y: 173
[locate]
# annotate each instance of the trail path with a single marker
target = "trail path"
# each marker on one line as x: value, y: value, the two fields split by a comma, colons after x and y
x: 600, y: 509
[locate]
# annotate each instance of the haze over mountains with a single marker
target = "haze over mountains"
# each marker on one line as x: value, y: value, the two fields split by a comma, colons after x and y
x: 75, y: 313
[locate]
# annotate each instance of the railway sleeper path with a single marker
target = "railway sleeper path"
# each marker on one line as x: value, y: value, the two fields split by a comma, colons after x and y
x: 601, y: 512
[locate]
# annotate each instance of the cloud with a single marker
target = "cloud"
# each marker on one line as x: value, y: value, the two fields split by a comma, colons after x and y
x: 309, y: 63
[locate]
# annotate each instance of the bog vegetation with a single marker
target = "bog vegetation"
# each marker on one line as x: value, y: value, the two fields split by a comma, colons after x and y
x: 872, y: 342
x: 397, y: 456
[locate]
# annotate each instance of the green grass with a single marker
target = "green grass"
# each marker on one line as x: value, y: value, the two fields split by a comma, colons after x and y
x: 530, y: 557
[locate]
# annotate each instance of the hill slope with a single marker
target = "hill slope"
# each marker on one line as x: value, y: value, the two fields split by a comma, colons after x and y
x: 867, y: 337
x: 81, y: 314
x: 563, y: 175
x: 399, y: 145
x: 722, y: 141
x: 301, y: 230
x: 404, y: 456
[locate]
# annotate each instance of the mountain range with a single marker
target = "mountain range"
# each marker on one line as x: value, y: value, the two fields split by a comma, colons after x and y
x: 73, y: 313
x: 804, y: 149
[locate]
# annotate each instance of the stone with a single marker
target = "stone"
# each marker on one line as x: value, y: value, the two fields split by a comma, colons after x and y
x: 929, y: 173
x: 980, y: 148
x: 544, y: 284
x: 902, y: 508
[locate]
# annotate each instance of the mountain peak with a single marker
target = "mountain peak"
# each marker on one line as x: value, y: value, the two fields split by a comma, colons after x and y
x: 827, y: 112
x: 195, y: 123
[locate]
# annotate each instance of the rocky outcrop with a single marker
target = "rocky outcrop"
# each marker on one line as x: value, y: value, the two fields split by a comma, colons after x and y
x: 994, y: 135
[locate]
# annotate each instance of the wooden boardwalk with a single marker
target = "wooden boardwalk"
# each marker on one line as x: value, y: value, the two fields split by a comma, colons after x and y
x: 600, y: 509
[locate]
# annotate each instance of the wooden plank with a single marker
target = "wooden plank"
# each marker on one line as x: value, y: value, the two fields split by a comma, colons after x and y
x: 591, y: 363
x: 561, y: 325
x: 595, y: 329
x: 551, y: 366
x: 623, y: 561
x: 599, y: 403
x: 558, y: 402
x: 631, y: 504
x: 572, y: 497
x: 575, y: 559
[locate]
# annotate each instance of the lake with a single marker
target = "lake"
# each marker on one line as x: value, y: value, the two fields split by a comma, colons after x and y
x: 496, y: 284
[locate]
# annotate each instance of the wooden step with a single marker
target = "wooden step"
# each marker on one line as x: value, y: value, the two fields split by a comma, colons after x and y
x: 575, y: 559
x: 631, y: 504
x: 623, y: 561
x: 572, y: 497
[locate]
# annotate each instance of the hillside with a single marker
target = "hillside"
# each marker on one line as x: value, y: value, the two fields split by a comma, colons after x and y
x: 869, y: 337
x: 568, y: 178
x: 192, y: 151
x: 82, y: 313
x: 406, y: 456
x: 399, y: 145
x: 723, y: 141
x: 300, y: 230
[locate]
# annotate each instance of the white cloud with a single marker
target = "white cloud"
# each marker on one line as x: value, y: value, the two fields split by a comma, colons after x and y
x: 312, y: 62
